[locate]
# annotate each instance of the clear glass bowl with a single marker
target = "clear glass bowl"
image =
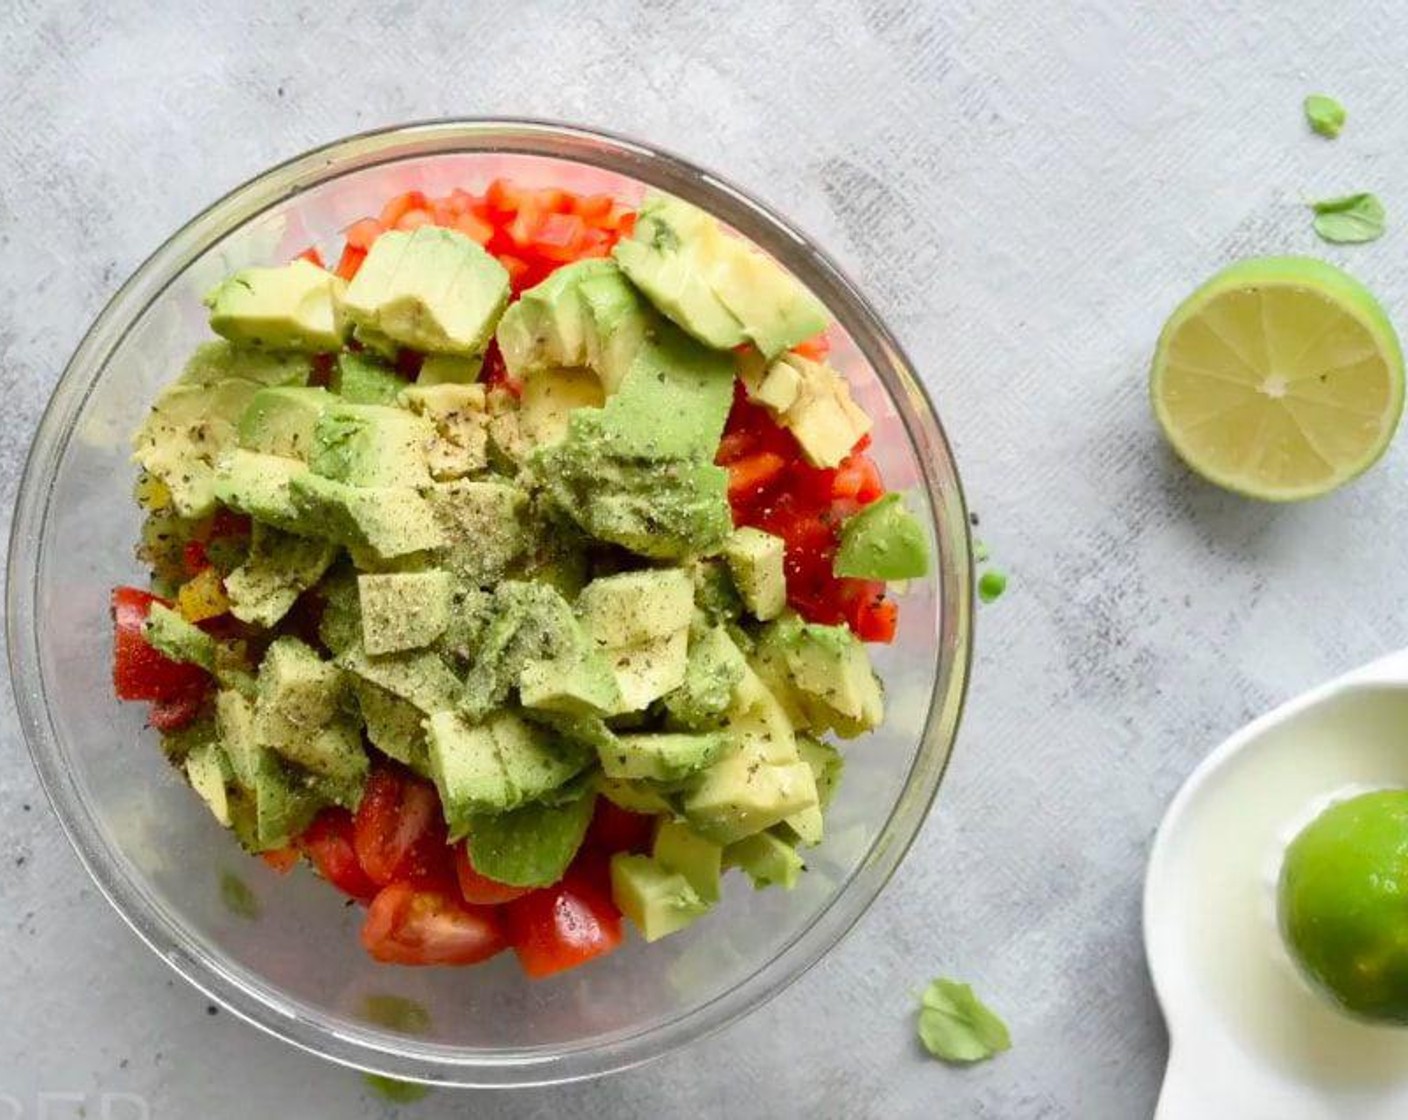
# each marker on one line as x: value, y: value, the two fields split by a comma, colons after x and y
x: 297, y: 969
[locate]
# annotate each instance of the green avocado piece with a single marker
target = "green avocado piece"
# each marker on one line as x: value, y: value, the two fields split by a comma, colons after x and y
x: 208, y: 771
x: 340, y: 627
x: 482, y: 526
x: 679, y: 848
x: 584, y: 315
x: 743, y: 793
x: 827, y: 766
x: 280, y: 420
x: 390, y: 521
x: 635, y: 797
x: 280, y: 567
x: 261, y: 486
x: 300, y: 713
x: 882, y: 541
x: 662, y: 757
x: 670, y: 257
x: 530, y: 846
x: 449, y: 369
x: 717, y: 287
x: 219, y: 360
x: 371, y: 445
x: 755, y: 560
x: 822, y: 674
x: 495, y: 766
x: 711, y: 675
x: 396, y: 727
x: 461, y: 443
x: 362, y: 378
x: 291, y: 307
x: 639, y: 471
x: 658, y: 902
x: 433, y: 290
x: 183, y: 438
x: 403, y: 610
x: 715, y: 593
x: 638, y: 606
x: 419, y: 677
x: 549, y: 398
x: 173, y: 636
x: 766, y: 859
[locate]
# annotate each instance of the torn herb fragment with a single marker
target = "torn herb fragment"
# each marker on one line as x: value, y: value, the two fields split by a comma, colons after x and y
x: 1349, y: 220
x: 1324, y: 114
x: 956, y: 1026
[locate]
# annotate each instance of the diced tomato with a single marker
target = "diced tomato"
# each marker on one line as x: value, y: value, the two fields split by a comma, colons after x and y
x: 875, y: 619
x: 561, y: 236
x: 494, y: 373
x: 858, y: 477
x: 350, y: 261
x: 518, y: 269
x: 312, y: 256
x: 816, y: 348
x: 408, y: 924
x: 502, y: 198
x: 399, y: 832
x: 227, y: 523
x: 282, y: 860
x: 480, y: 890
x: 328, y: 842
x: 401, y: 205
x: 179, y: 711
x: 193, y: 558
x: 362, y: 234
x: 593, y: 208
x: 414, y: 219
x: 614, y: 829
x: 752, y: 474
x: 472, y: 226
x: 563, y: 926
x: 139, y: 671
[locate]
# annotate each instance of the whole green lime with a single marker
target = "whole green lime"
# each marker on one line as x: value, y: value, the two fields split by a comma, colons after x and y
x: 1343, y: 904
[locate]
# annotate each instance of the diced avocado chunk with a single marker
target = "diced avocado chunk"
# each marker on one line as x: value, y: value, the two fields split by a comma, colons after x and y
x: 217, y: 361
x: 405, y: 610
x: 662, y: 756
x: 261, y: 486
x: 291, y: 307
x: 826, y: 674
x: 300, y: 714
x: 715, y: 593
x: 634, y: 797
x: 173, y: 636
x: 550, y: 396
x: 208, y: 771
x: 639, y: 471
x: 419, y: 677
x: 280, y: 420
x: 340, y: 627
x: 712, y: 673
x: 716, y: 287
x: 371, y: 445
x: 432, y: 289
x: 482, y: 525
x: 495, y: 766
x: 391, y: 521
x: 362, y: 378
x: 743, y: 793
x: 883, y: 541
x: 396, y: 727
x: 658, y: 902
x: 530, y: 846
x: 827, y: 766
x: 449, y: 369
x: 637, y: 606
x: 585, y: 315
x: 189, y: 428
x: 646, y: 671
x: 234, y: 725
x: 755, y: 560
x: 533, y: 641
x: 813, y: 401
x: 766, y: 859
x: 461, y: 422
x: 679, y: 848
x: 280, y: 567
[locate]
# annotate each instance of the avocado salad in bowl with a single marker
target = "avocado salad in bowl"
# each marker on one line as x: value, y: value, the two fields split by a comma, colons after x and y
x: 534, y: 541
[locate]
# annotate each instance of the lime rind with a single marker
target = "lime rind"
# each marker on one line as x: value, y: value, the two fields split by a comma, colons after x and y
x: 1347, y: 299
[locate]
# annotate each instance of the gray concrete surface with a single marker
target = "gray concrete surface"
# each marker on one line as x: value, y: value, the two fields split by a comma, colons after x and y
x: 1026, y: 189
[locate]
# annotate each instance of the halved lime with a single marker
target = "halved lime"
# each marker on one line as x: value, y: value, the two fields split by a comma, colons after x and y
x: 1280, y: 378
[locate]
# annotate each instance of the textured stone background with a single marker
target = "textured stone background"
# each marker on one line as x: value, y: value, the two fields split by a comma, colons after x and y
x: 1026, y: 189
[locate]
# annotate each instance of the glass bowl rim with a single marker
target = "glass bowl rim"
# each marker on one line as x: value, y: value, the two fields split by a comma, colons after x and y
x: 404, y: 1056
